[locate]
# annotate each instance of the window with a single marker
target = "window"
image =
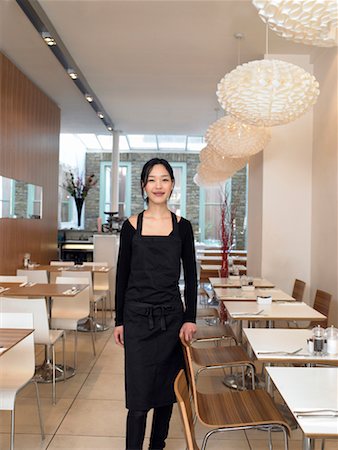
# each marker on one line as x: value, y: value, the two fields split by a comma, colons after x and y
x: 210, y: 212
x: 124, y: 205
x: 177, y: 202
x: 6, y: 197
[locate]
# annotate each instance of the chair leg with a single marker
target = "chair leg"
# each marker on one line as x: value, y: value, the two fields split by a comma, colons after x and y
x: 39, y: 410
x: 54, y: 380
x: 110, y: 304
x: 12, y: 429
x: 64, y: 355
x: 75, y: 350
x: 92, y: 334
x: 269, y: 439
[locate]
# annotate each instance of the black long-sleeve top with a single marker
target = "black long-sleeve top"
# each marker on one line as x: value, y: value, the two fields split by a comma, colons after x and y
x: 189, y: 269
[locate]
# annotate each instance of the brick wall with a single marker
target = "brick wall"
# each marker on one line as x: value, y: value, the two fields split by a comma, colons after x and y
x: 137, y: 161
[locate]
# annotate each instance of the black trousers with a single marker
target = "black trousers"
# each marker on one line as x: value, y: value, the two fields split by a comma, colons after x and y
x: 136, y: 427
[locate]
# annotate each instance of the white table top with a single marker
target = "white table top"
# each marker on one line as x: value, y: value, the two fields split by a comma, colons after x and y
x: 286, y: 340
x: 241, y: 294
x: 309, y: 388
x: 235, y: 282
x: 276, y: 311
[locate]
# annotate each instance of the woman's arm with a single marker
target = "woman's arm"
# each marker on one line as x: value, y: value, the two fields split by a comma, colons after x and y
x: 189, y: 269
x: 123, y: 269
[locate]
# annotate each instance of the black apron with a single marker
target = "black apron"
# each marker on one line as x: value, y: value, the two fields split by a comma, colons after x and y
x: 153, y: 316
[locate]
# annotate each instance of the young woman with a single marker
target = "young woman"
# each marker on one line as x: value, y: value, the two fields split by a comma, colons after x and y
x: 150, y: 315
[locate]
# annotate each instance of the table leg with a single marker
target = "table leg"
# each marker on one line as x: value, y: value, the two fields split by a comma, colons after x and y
x: 44, y: 372
x: 308, y: 443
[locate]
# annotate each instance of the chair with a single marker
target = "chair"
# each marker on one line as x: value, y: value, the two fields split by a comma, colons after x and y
x: 17, y: 368
x: 226, y: 411
x: 101, y: 283
x: 208, y: 358
x: 13, y: 279
x: 42, y: 334
x: 94, y: 298
x: 298, y: 290
x: 68, y: 311
x: 214, y: 330
x: 322, y: 304
x: 35, y: 276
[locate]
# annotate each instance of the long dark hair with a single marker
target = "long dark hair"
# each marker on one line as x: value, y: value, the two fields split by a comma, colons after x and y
x: 147, y: 169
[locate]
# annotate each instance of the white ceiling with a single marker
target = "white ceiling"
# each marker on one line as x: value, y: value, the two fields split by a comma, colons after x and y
x: 154, y: 65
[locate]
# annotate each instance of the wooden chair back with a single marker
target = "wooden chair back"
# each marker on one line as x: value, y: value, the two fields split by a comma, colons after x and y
x: 322, y: 304
x: 298, y: 290
x: 185, y: 407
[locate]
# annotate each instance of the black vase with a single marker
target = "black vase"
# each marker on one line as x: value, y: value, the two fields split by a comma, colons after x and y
x: 79, y: 204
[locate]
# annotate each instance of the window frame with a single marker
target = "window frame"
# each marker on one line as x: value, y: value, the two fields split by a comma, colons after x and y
x: 103, y: 166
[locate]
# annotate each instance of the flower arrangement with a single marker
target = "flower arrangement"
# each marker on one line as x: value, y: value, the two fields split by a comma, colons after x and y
x: 76, y: 186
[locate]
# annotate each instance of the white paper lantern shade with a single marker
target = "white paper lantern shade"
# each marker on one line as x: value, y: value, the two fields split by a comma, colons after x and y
x: 208, y: 176
x: 215, y: 161
x: 268, y: 92
x: 310, y: 22
x: 235, y: 139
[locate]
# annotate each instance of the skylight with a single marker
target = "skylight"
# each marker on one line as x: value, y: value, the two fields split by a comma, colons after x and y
x: 138, y: 142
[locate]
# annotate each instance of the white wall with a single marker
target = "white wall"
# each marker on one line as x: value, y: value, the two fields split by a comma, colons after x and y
x: 287, y: 197
x: 324, y: 267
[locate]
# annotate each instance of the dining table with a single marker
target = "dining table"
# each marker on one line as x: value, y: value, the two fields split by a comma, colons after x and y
x: 217, y: 259
x: 44, y: 372
x: 311, y: 394
x: 250, y: 293
x: 9, y: 337
x: 212, y: 270
x: 240, y: 311
x: 285, y: 346
x: 75, y: 268
x: 236, y: 282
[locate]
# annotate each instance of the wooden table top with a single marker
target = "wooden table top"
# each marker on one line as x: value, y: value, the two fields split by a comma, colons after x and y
x: 12, y: 336
x: 76, y: 268
x: 235, y: 282
x: 235, y: 294
x: 43, y: 290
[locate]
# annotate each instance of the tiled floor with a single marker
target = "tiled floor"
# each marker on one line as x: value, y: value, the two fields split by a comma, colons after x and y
x: 90, y: 412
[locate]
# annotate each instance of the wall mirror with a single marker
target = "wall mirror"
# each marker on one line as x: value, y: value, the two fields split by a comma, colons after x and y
x: 20, y: 200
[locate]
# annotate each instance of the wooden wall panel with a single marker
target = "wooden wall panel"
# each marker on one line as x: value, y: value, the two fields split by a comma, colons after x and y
x: 29, y: 151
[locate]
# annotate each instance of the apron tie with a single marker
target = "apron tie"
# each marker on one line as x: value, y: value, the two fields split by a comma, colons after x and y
x: 163, y: 311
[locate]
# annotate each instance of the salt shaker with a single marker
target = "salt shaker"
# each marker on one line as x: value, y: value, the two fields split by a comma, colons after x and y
x: 26, y: 260
x: 331, y: 335
x: 318, y: 340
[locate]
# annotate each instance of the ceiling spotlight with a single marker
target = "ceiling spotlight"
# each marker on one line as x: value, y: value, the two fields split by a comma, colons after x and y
x: 100, y: 115
x: 89, y: 98
x: 72, y: 74
x: 48, y: 38
x: 110, y: 128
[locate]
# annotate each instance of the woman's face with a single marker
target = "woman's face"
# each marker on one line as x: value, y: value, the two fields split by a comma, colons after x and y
x: 159, y: 184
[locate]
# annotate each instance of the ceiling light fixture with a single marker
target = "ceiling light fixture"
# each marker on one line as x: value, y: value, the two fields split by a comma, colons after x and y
x: 233, y: 139
x: 109, y: 128
x: 100, y: 115
x: 89, y: 98
x: 311, y: 22
x: 73, y: 75
x: 267, y: 92
x: 49, y: 40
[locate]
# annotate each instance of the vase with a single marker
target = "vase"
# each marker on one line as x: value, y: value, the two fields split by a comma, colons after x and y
x: 79, y: 204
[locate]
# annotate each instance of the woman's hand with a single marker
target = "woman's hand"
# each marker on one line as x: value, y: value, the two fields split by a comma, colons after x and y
x: 187, y: 331
x: 118, y: 335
